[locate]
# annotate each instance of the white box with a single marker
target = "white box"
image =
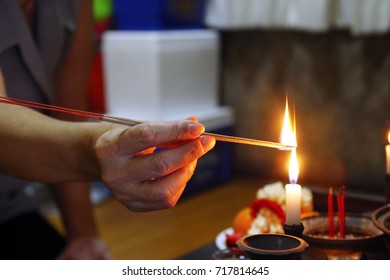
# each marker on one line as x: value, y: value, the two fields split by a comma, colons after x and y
x: 154, y: 75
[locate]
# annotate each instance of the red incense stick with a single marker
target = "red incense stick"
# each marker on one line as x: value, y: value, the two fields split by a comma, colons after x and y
x: 330, y: 213
x: 341, y: 211
x: 36, y: 105
x: 129, y: 122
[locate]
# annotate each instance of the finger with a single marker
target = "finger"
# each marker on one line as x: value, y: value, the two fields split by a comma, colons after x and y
x: 175, y: 144
x: 163, y: 193
x: 166, y: 161
x: 146, y: 135
x: 193, y: 118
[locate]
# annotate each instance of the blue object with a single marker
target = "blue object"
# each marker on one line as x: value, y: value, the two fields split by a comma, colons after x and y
x: 158, y: 14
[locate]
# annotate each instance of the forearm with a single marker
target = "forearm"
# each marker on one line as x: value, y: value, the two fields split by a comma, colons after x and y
x: 51, y: 151
x: 83, y: 240
x: 76, y: 66
x: 76, y: 209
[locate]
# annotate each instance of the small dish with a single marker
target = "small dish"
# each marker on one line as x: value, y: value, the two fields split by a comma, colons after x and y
x: 272, y: 246
x: 381, y: 218
x: 359, y: 231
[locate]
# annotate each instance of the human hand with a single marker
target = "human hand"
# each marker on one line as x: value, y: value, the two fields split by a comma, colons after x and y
x: 86, y: 248
x: 143, y: 180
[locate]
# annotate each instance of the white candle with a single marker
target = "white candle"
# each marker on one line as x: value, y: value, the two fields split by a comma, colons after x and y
x: 293, y: 193
x: 388, y: 156
x: 293, y: 190
x: 293, y: 204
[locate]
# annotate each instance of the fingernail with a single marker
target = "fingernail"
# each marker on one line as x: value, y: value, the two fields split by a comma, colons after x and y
x: 208, y: 142
x: 196, y: 128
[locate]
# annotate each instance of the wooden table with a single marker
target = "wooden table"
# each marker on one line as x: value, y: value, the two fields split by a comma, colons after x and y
x: 191, y: 225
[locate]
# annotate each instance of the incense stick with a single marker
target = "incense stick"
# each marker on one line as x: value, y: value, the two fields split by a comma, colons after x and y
x: 218, y: 137
x: 130, y: 122
x: 249, y: 141
x: 341, y: 211
x: 330, y: 213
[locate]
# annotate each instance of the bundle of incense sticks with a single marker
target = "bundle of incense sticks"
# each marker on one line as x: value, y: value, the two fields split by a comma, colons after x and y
x: 129, y: 122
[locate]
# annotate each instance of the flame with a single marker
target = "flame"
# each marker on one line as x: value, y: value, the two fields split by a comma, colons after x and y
x: 288, y: 135
x: 388, y: 137
x: 294, y: 167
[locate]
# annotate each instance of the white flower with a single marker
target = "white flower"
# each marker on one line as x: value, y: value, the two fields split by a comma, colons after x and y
x: 274, y: 192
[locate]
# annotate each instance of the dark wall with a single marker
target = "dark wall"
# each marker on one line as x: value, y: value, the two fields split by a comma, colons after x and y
x: 339, y: 86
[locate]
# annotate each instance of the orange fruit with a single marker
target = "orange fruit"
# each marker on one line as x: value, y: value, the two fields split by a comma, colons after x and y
x: 242, y: 221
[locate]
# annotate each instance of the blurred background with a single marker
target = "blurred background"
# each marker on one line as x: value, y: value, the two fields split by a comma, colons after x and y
x: 330, y: 57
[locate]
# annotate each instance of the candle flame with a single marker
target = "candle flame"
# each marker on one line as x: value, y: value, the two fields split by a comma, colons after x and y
x: 288, y: 135
x: 388, y: 137
x: 294, y: 167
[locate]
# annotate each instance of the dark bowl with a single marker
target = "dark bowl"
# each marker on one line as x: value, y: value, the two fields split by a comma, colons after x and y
x: 359, y: 232
x: 272, y: 246
x: 381, y: 218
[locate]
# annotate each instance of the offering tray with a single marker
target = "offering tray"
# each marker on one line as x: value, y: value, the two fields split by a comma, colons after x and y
x: 360, y: 232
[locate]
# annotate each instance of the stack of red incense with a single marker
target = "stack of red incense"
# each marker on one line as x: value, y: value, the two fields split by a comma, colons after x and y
x: 341, y: 212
